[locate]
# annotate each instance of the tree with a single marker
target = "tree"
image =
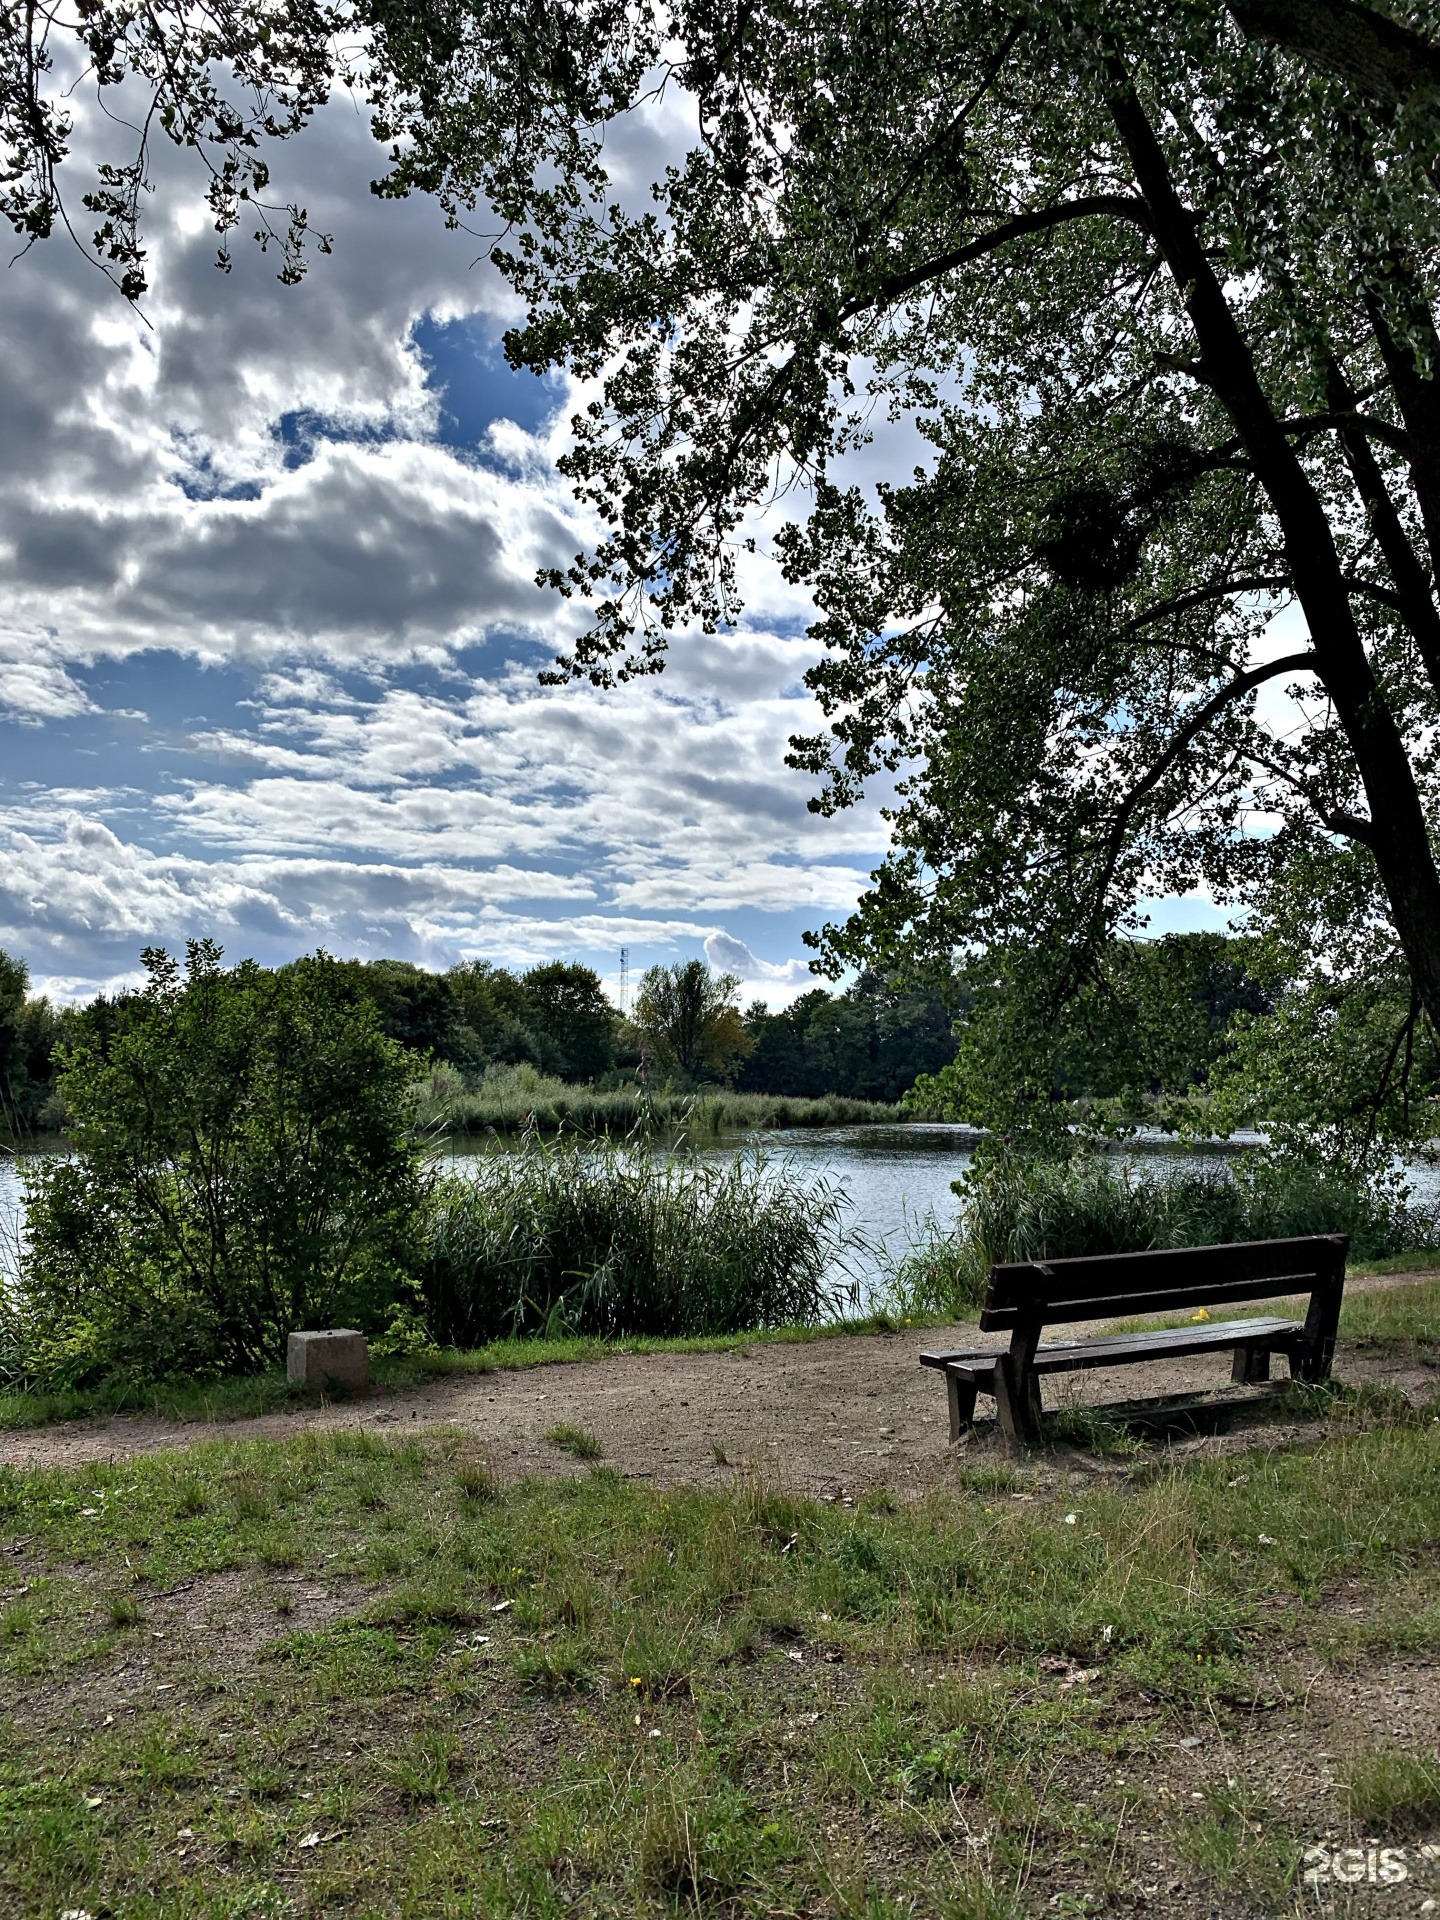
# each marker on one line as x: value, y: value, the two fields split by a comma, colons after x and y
x: 1156, y: 287
x: 688, y: 1019
x: 29, y: 1028
x: 868, y: 1043
x: 242, y: 1168
x: 574, y: 1020
x: 225, y: 82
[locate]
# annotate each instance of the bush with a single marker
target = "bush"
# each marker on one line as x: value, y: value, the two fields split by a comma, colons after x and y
x: 608, y: 1240
x: 1018, y: 1208
x: 243, y: 1166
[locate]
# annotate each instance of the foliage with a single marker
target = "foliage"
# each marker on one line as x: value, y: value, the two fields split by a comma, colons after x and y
x: 1346, y: 1071
x: 1138, y: 1041
x: 1022, y: 1207
x: 1154, y: 288
x: 223, y: 83
x: 555, y: 1016
x: 869, y: 1042
x: 29, y: 1029
x: 242, y: 1167
x: 616, y: 1240
x: 688, y: 1021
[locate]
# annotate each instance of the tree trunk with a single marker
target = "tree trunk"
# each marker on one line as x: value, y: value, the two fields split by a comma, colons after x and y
x: 1397, y: 834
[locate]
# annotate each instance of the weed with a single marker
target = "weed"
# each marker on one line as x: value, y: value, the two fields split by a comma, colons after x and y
x: 576, y: 1441
x: 476, y: 1483
x: 422, y: 1770
x: 558, y: 1667
x: 124, y: 1610
x: 1394, y: 1792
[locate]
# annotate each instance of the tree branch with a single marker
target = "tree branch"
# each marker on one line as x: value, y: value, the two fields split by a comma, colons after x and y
x: 1385, y: 59
x: 1114, y: 206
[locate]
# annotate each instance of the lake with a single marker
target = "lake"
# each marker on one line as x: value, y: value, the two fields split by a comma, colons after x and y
x: 895, y: 1178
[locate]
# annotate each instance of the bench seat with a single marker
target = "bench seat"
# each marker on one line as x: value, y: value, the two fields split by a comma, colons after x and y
x: 1251, y: 1341
x: 1024, y: 1296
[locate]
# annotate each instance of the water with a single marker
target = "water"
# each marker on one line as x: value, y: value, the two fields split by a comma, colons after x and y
x: 896, y: 1179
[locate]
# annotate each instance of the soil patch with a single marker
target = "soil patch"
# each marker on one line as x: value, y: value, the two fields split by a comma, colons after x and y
x: 832, y: 1418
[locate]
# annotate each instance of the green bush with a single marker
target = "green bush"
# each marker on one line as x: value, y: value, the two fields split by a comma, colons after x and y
x: 1020, y: 1208
x: 609, y: 1240
x: 243, y: 1166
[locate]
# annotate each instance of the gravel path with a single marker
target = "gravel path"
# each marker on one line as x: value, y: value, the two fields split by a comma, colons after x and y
x: 832, y: 1417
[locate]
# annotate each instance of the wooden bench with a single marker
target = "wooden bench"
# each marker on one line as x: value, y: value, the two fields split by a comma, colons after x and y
x: 1026, y: 1296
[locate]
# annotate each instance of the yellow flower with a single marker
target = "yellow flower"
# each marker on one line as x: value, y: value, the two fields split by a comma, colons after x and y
x: 636, y: 1680
x: 1202, y: 1315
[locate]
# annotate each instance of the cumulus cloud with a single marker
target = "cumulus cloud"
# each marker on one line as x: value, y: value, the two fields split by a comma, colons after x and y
x: 726, y: 954
x: 271, y: 629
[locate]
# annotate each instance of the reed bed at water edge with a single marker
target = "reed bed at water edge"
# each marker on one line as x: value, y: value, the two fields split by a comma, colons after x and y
x: 521, y: 1099
x: 1023, y: 1209
x: 564, y: 1237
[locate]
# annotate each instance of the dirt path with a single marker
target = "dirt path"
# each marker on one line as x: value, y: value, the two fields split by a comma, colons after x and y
x: 832, y: 1418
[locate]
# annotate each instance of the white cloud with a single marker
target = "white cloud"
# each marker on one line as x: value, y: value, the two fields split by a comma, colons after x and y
x: 729, y: 955
x: 254, y: 480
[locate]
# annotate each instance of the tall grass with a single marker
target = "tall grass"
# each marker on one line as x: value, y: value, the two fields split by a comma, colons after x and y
x: 563, y: 1238
x: 1022, y: 1209
x: 521, y: 1099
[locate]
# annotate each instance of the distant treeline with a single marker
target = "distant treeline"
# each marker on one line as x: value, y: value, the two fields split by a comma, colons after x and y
x: 870, y: 1042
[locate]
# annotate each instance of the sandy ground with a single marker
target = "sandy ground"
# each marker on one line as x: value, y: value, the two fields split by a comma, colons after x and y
x: 832, y: 1418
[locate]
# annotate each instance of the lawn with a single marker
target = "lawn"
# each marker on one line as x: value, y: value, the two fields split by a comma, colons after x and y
x: 339, y: 1675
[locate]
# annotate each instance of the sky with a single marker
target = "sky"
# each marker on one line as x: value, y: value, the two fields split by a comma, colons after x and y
x: 270, y: 638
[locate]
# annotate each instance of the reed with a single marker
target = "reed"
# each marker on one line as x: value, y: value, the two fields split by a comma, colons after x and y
x: 1032, y: 1209
x: 563, y: 1238
x: 521, y: 1099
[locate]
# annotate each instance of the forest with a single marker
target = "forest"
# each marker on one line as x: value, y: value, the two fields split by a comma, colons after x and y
x: 871, y: 1041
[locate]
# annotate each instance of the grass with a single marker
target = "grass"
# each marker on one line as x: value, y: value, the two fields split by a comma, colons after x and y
x: 517, y: 1099
x: 1392, y: 1791
x: 588, y: 1696
x: 575, y: 1441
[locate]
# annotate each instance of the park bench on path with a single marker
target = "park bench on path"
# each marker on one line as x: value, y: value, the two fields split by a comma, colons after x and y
x: 1026, y: 1296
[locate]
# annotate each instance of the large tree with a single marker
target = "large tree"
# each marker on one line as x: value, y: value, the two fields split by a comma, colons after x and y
x: 1156, y: 287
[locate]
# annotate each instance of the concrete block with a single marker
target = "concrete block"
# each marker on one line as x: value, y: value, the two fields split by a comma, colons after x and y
x: 336, y: 1357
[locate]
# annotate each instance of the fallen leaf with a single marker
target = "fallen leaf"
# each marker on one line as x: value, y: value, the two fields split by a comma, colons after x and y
x: 310, y: 1840
x: 94, y: 1799
x: 502, y: 1606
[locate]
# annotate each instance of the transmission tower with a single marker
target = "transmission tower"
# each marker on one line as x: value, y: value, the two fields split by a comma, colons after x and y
x: 625, y: 980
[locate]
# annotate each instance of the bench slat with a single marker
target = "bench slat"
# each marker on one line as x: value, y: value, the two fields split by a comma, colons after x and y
x: 1159, y: 1298
x: 1214, y: 1333
x: 1115, y: 1350
x: 1023, y: 1283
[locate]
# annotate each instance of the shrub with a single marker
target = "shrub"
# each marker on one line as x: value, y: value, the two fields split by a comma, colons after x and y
x: 243, y: 1167
x: 606, y: 1240
x: 1019, y: 1208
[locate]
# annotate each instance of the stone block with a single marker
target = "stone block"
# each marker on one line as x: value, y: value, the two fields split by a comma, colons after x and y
x: 336, y: 1357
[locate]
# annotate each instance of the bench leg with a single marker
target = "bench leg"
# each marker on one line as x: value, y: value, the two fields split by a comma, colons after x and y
x: 1017, y: 1403
x: 962, y: 1404
x: 1250, y: 1364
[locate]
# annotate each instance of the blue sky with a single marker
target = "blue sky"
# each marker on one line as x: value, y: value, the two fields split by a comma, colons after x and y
x: 270, y: 638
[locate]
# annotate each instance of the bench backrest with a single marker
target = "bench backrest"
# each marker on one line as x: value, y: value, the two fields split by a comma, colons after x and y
x: 1107, y: 1285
